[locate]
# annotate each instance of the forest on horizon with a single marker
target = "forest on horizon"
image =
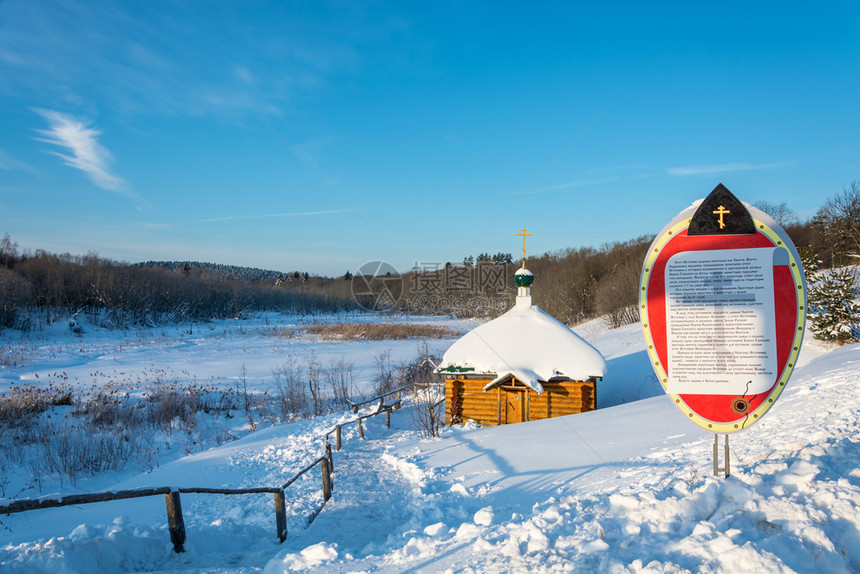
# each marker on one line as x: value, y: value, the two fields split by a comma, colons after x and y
x: 574, y: 284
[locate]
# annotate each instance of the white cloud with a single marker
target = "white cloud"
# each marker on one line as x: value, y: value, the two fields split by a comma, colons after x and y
x: 9, y: 163
x: 166, y: 61
x: 718, y: 168
x: 244, y: 75
x: 85, y: 151
x: 268, y: 215
x: 577, y: 184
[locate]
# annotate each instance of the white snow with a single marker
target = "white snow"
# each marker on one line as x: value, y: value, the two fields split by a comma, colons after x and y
x: 626, y: 488
x: 527, y: 343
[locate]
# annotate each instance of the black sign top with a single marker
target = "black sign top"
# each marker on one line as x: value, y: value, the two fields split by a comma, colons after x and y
x: 721, y: 213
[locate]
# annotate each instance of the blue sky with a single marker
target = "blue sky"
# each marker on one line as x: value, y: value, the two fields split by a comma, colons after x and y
x: 319, y: 136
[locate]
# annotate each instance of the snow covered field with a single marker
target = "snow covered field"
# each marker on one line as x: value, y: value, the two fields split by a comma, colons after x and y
x: 626, y: 488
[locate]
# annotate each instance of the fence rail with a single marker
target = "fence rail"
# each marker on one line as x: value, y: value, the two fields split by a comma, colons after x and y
x: 53, y: 501
x: 173, y: 503
x: 381, y: 398
x: 383, y: 409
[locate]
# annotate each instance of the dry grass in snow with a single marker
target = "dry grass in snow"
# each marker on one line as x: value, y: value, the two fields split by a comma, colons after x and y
x: 380, y: 331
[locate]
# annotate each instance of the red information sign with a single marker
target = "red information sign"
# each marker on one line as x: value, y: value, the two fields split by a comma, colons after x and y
x: 722, y: 300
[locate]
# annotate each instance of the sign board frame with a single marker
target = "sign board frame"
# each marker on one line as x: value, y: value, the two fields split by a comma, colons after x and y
x: 737, y: 329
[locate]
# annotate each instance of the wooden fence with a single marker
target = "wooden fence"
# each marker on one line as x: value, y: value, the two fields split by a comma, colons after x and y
x: 380, y: 398
x: 175, y: 521
x: 382, y: 409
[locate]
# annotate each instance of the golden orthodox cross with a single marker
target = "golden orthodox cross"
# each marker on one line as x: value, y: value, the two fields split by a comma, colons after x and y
x: 524, y: 234
x: 721, y: 211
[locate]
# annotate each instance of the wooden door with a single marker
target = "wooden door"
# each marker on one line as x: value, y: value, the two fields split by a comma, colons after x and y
x: 514, y: 406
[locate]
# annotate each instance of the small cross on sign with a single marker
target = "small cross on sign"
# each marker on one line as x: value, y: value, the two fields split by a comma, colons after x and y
x: 722, y: 211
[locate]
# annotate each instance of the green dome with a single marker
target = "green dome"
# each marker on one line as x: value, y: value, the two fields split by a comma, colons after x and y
x: 524, y: 278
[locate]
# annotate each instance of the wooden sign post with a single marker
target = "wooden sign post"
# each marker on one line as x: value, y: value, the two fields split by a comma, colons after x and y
x: 723, y: 306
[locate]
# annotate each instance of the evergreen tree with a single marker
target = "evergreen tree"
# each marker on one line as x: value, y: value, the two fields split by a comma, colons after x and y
x: 500, y: 258
x: 833, y: 307
x: 811, y: 264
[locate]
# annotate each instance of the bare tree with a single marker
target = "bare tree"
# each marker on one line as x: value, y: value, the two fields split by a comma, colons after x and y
x: 780, y: 212
x: 428, y: 392
x: 314, y: 373
x: 385, y: 378
x: 292, y: 393
x: 838, y: 224
x: 340, y: 378
x: 13, y: 294
x: 618, y: 290
x: 8, y: 251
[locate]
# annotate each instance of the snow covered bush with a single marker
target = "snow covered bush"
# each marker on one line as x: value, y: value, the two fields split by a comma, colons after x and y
x: 385, y: 378
x: 21, y: 402
x: 17, y: 354
x: 340, y: 379
x: 428, y: 392
x: 291, y: 399
x: 833, y: 306
x: 58, y: 431
x: 73, y: 448
x: 306, y: 392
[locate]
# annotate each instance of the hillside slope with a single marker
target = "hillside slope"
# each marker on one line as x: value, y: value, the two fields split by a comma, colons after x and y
x: 621, y: 489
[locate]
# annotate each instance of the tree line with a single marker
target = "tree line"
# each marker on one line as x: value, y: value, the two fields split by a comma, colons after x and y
x: 581, y: 284
x: 578, y: 284
x: 574, y: 284
x: 216, y: 269
x: 39, y: 288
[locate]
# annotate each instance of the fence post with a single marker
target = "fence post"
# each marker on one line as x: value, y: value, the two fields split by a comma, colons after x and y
x: 360, y: 429
x: 388, y: 418
x: 337, y: 437
x: 175, y: 522
x: 326, y: 480
x: 330, y: 457
x: 281, y: 515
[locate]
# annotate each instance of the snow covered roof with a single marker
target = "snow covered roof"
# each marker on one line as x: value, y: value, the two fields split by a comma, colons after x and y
x: 527, y: 343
